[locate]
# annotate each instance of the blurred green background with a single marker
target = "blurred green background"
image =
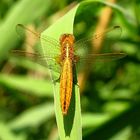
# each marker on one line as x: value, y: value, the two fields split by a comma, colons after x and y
x: 110, y: 99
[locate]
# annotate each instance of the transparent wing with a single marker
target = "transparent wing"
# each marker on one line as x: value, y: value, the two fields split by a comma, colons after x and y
x: 108, y: 38
x: 37, y: 54
x: 101, y: 57
x: 52, y: 44
x: 85, y: 56
x: 40, y: 59
x: 91, y: 58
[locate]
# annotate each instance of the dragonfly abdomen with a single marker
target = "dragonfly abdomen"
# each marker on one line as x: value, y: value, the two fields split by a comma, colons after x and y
x: 66, y: 83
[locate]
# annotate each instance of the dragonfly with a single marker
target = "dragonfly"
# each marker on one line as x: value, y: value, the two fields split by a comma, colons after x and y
x: 66, y: 57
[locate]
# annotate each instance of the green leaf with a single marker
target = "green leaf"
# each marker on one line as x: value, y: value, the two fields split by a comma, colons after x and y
x: 33, y: 117
x: 69, y: 126
x: 7, y: 134
x: 33, y: 86
x: 27, y: 64
x: 94, y: 120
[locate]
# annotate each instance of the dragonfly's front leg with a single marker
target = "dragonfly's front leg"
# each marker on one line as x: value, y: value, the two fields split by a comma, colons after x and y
x: 59, y: 61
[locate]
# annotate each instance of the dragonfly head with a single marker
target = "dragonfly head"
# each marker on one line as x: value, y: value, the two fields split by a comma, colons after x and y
x: 67, y: 38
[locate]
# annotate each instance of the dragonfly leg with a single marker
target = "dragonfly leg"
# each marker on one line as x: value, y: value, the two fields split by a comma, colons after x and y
x: 76, y: 58
x: 59, y: 60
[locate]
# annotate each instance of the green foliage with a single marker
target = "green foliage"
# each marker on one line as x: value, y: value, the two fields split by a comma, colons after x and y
x: 110, y: 101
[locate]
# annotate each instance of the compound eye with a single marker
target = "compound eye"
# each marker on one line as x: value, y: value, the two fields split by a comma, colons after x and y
x: 72, y: 38
x: 62, y: 37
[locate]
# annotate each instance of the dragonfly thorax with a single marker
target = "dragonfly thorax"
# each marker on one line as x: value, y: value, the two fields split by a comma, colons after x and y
x: 67, y: 38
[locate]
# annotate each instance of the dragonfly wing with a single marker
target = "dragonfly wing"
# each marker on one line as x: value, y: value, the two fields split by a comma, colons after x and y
x: 90, y: 58
x: 46, y: 61
x: 109, y: 36
x: 102, y: 57
x: 52, y: 45
x: 45, y: 54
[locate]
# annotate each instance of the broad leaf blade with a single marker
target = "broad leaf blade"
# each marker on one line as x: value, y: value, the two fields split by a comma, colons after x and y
x: 69, y: 126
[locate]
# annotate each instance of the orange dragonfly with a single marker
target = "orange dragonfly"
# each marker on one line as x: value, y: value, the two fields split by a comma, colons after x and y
x: 64, y: 58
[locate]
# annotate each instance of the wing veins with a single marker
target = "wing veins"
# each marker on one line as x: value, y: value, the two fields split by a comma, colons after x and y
x: 38, y: 35
x: 104, y: 56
